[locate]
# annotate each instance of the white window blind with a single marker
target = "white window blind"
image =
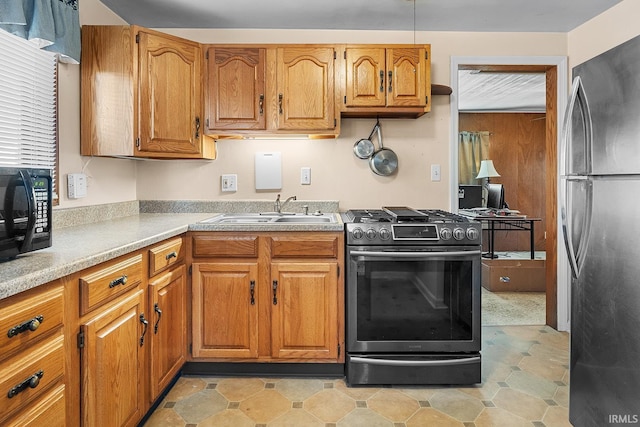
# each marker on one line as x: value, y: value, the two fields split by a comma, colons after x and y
x: 28, y: 105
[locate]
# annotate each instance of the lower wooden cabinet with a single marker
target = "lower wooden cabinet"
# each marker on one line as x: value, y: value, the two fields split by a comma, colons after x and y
x: 279, y: 299
x: 304, y: 316
x: 168, y: 327
x: 225, y: 310
x: 49, y: 411
x: 112, y: 365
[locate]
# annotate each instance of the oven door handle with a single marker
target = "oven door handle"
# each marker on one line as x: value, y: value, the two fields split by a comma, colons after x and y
x: 391, y: 362
x: 414, y: 254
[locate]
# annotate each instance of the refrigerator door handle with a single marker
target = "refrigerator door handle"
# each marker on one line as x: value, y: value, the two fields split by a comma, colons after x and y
x: 579, y: 96
x: 576, y: 250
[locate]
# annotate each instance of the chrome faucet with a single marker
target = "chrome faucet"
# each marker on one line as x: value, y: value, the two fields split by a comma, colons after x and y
x: 277, y: 206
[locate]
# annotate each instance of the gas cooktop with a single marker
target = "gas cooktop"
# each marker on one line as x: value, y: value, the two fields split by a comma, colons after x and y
x: 400, y: 225
x: 400, y: 214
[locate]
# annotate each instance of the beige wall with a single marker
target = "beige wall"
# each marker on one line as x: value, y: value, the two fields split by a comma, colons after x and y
x: 336, y: 172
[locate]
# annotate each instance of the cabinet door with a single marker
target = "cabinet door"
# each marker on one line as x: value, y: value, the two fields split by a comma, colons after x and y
x: 111, y: 365
x: 366, y: 77
x: 235, y: 93
x: 225, y: 310
x: 305, y: 88
x: 168, y: 327
x: 406, y: 77
x: 170, y: 95
x: 305, y: 310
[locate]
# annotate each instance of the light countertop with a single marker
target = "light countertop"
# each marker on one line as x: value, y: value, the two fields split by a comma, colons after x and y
x: 78, y: 247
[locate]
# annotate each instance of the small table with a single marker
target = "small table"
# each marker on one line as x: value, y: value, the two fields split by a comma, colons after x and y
x: 502, y: 221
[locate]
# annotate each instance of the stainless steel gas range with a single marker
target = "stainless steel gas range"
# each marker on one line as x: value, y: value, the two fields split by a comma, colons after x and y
x: 412, y: 297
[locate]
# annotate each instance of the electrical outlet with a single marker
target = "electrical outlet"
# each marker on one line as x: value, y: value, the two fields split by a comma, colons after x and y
x: 229, y: 182
x: 305, y: 176
x: 76, y: 185
x: 435, y: 173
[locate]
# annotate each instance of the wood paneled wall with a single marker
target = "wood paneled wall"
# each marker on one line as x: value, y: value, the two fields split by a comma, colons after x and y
x: 517, y: 149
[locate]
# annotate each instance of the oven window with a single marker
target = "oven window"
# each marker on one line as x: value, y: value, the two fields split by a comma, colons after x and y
x: 414, y: 300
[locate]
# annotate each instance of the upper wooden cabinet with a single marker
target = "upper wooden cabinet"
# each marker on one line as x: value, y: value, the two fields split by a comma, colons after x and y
x: 141, y: 94
x: 386, y: 81
x: 271, y: 90
x: 305, y: 85
x: 236, y: 88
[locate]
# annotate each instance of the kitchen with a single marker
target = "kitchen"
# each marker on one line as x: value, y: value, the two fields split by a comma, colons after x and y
x: 419, y: 143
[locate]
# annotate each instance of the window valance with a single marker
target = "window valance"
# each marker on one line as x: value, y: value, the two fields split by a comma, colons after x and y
x: 53, y: 25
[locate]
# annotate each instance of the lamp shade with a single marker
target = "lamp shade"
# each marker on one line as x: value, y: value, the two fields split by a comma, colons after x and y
x: 487, y: 170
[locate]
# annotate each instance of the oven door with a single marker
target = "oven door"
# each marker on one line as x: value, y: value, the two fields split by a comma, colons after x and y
x: 413, y: 299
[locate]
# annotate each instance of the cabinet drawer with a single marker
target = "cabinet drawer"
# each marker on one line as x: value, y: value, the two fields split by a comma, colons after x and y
x: 304, y: 247
x: 225, y: 246
x: 29, y: 315
x: 42, y: 363
x: 49, y: 410
x: 108, y: 281
x: 164, y: 255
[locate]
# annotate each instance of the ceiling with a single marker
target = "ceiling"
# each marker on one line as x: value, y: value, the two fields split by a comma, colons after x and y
x: 399, y: 15
x: 495, y: 92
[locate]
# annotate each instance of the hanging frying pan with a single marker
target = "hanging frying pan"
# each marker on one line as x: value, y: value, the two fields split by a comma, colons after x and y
x: 364, y: 148
x: 384, y: 161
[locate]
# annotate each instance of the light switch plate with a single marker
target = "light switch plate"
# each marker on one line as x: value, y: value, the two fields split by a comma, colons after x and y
x: 229, y: 182
x: 435, y: 172
x: 305, y: 176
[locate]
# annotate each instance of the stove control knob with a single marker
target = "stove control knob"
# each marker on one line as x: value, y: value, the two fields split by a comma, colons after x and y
x: 458, y: 233
x: 445, y: 233
x: 371, y: 234
x: 385, y: 234
x: 357, y: 233
x: 472, y: 234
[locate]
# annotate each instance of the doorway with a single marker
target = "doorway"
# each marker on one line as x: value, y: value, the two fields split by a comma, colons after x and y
x: 555, y: 70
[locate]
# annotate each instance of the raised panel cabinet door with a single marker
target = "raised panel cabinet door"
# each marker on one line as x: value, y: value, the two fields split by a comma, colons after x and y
x: 225, y: 310
x: 167, y: 327
x: 112, y: 365
x: 170, y: 95
x: 235, y: 93
x: 305, y: 310
x: 305, y: 88
x: 406, y: 77
x: 366, y: 77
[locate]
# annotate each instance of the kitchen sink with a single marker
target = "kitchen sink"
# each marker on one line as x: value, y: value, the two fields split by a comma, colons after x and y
x: 270, y: 218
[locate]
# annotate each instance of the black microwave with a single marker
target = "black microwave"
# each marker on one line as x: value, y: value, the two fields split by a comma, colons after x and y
x: 25, y: 210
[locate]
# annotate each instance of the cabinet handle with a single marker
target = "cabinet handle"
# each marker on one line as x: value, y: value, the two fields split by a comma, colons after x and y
x: 275, y: 292
x: 119, y: 281
x: 390, y: 81
x: 144, y: 331
x: 252, y: 287
x: 159, y: 313
x: 381, y: 81
x: 197, y: 127
x: 29, y: 325
x: 280, y: 102
x: 31, y: 382
x: 171, y: 255
x: 261, y: 104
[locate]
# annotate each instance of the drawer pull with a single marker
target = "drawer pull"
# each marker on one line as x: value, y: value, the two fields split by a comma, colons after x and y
x: 171, y: 255
x: 31, y: 382
x: 29, y: 325
x: 144, y: 331
x: 156, y: 308
x: 119, y: 281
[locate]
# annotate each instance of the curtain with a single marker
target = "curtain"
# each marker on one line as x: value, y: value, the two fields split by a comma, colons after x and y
x: 473, y: 147
x: 52, y: 25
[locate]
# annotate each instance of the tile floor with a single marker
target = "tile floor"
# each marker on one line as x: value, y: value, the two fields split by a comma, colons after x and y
x: 525, y: 382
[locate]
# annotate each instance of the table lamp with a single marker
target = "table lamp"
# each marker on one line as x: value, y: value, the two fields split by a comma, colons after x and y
x: 487, y: 170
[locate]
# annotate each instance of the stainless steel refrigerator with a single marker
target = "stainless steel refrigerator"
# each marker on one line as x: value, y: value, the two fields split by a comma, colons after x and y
x: 600, y: 191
